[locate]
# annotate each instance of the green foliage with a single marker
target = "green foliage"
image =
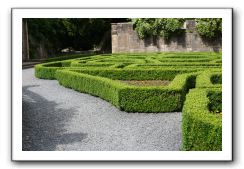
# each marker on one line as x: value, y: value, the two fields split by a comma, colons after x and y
x: 163, y: 27
x: 201, y: 129
x: 209, y: 79
x: 100, y: 76
x: 43, y: 72
x: 94, y: 85
x: 127, y: 97
x: 216, y: 79
x: 215, y: 101
x: 138, y: 74
x: 54, y: 34
x: 209, y: 28
x: 65, y: 57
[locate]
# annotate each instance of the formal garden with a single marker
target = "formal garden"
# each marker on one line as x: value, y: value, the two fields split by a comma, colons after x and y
x: 139, y: 72
x: 153, y: 83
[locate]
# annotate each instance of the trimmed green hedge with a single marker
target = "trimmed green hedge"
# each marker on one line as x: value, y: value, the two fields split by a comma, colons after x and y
x: 134, y: 74
x: 215, y: 101
x: 216, y: 78
x: 98, y: 86
x: 202, y: 129
x: 127, y: 97
x: 66, y: 57
x: 209, y: 79
x: 48, y: 70
x: 101, y: 76
x: 157, y: 99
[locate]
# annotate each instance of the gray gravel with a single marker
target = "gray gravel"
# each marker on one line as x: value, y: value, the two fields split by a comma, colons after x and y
x: 57, y: 118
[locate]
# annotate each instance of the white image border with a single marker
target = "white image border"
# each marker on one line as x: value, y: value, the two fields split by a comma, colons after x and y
x: 19, y: 155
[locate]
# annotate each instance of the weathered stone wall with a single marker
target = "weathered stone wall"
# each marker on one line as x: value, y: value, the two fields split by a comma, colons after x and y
x: 125, y: 39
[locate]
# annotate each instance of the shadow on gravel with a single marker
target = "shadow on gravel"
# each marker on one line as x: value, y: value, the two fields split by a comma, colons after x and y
x: 43, y: 123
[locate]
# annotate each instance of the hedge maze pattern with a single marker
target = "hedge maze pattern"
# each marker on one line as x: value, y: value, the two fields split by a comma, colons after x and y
x: 195, y: 87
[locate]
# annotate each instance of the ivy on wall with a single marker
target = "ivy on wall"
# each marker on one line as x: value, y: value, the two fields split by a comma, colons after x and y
x: 163, y: 27
x: 208, y: 28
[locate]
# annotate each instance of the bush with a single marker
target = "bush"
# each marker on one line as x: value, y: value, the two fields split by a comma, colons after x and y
x: 101, y: 76
x: 48, y: 70
x: 127, y: 97
x: 157, y: 99
x: 209, y: 79
x: 163, y: 27
x: 215, y: 101
x: 202, y: 130
x: 216, y: 79
x: 209, y: 28
x: 66, y: 57
x: 94, y: 85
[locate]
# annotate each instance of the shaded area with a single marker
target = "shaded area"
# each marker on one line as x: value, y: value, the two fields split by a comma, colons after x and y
x: 43, y: 123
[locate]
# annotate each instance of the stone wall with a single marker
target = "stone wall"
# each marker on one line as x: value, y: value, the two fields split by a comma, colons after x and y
x: 125, y: 39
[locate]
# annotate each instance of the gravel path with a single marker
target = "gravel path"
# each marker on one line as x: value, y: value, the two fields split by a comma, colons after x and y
x: 56, y: 118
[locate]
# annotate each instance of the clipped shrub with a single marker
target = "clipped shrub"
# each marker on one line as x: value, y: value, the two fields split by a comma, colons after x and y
x: 201, y: 129
x: 215, y: 101
x: 48, y: 70
x: 209, y: 79
x: 94, y: 85
x: 43, y: 72
x: 216, y: 79
x: 157, y: 99
x: 134, y: 74
x: 130, y: 98
x: 66, y: 57
x: 101, y: 76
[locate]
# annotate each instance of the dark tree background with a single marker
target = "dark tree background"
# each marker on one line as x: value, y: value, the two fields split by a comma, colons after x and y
x: 48, y: 36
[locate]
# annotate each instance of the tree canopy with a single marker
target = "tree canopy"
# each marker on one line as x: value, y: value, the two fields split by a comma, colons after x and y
x: 54, y: 34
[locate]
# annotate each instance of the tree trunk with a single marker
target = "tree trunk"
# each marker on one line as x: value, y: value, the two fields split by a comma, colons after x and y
x: 25, y: 41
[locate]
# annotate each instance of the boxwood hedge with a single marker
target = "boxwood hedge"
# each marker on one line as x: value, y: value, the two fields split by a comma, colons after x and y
x: 101, y: 76
x: 202, y: 129
x: 209, y: 79
x: 128, y: 97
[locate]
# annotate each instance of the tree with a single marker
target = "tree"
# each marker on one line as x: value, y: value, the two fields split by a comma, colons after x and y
x: 25, y: 40
x: 209, y: 28
x: 47, y: 36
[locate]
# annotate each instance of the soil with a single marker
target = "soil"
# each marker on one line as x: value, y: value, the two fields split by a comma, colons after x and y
x: 147, y: 82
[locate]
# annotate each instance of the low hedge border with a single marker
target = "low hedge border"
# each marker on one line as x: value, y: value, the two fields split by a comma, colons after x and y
x: 48, y: 70
x: 132, y: 62
x: 99, y: 76
x: 127, y: 97
x: 201, y: 129
x: 209, y: 79
x: 134, y: 74
x: 69, y: 56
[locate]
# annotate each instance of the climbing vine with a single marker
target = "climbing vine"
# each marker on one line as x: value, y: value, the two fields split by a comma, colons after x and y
x: 209, y: 28
x: 163, y: 27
